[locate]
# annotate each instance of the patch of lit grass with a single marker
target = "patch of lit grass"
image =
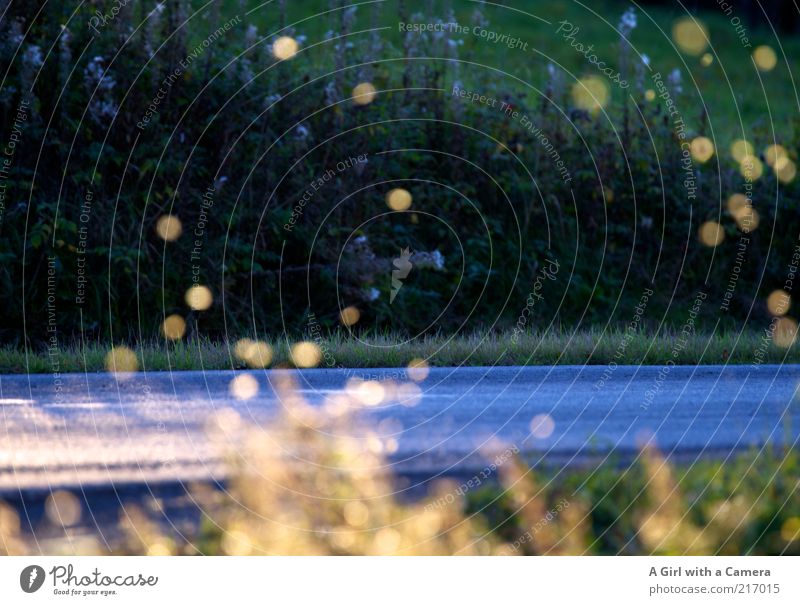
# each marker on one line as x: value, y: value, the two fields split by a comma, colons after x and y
x: 388, y: 350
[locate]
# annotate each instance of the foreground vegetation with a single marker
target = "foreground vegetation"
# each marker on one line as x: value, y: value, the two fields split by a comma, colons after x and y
x: 345, y: 351
x: 328, y: 489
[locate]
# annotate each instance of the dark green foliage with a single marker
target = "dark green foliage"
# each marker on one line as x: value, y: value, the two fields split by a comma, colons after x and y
x: 260, y: 132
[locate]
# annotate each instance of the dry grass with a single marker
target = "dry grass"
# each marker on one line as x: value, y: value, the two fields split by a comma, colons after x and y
x: 316, y: 483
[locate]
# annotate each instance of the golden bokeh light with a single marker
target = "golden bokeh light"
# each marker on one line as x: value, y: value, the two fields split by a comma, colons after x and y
x: 650, y: 94
x: 198, y: 298
x: 306, y: 355
x: 690, y: 35
x: 702, y: 149
x: 751, y: 168
x: 740, y: 149
x: 736, y: 203
x: 364, y: 94
x: 366, y: 392
x: 244, y: 386
x: 707, y: 59
x: 773, y: 153
x: 241, y: 347
x: 748, y: 219
x: 418, y: 370
x: 356, y: 513
x: 62, y: 508
x: 790, y: 530
x: 785, y: 332
x: 255, y: 353
x: 765, y: 58
x: 542, y: 426
x: 174, y: 327
x: 785, y: 170
x: 608, y: 195
x: 237, y: 543
x: 591, y: 93
x: 408, y: 394
x: 349, y: 316
x: 399, y: 199
x: 169, y: 227
x: 778, y: 303
x: 121, y: 360
x: 742, y: 211
x: 711, y: 234
x: 284, y: 48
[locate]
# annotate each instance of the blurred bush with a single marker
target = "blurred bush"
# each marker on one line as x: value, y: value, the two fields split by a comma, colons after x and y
x: 237, y: 138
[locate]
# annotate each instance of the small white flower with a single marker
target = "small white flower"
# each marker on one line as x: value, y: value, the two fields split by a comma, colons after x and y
x: 628, y: 22
x: 250, y: 35
x: 674, y: 79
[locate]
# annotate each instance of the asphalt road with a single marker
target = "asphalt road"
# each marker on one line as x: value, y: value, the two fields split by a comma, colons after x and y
x: 93, y: 430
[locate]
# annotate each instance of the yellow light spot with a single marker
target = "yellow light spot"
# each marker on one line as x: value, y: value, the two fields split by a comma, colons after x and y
x: 590, y: 93
x: 387, y: 541
x: 236, y: 543
x: 785, y: 170
x: 369, y: 392
x: 418, y: 370
x: 356, y: 513
x: 159, y: 549
x: 773, y: 153
x: 778, y: 303
x: 748, y: 220
x: 228, y: 420
x: 198, y: 298
x: 650, y: 95
x: 542, y: 426
x: 120, y: 360
x: 244, y: 386
x: 702, y: 149
x: 174, y: 327
x: 711, y: 234
x: 169, y: 228
x: 740, y: 149
x: 399, y: 199
x: 790, y: 530
x: 284, y: 48
x: 736, y: 203
x: 742, y: 211
x: 751, y: 168
x: 306, y: 355
x: 349, y: 316
x: 364, y: 94
x: 765, y: 58
x: 254, y: 353
x: 785, y: 332
x: 608, y: 195
x: 706, y: 60
x: 690, y: 35
x: 62, y: 509
x: 240, y: 348
x: 408, y: 394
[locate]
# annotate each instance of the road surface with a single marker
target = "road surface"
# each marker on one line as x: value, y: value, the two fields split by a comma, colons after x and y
x: 95, y: 430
